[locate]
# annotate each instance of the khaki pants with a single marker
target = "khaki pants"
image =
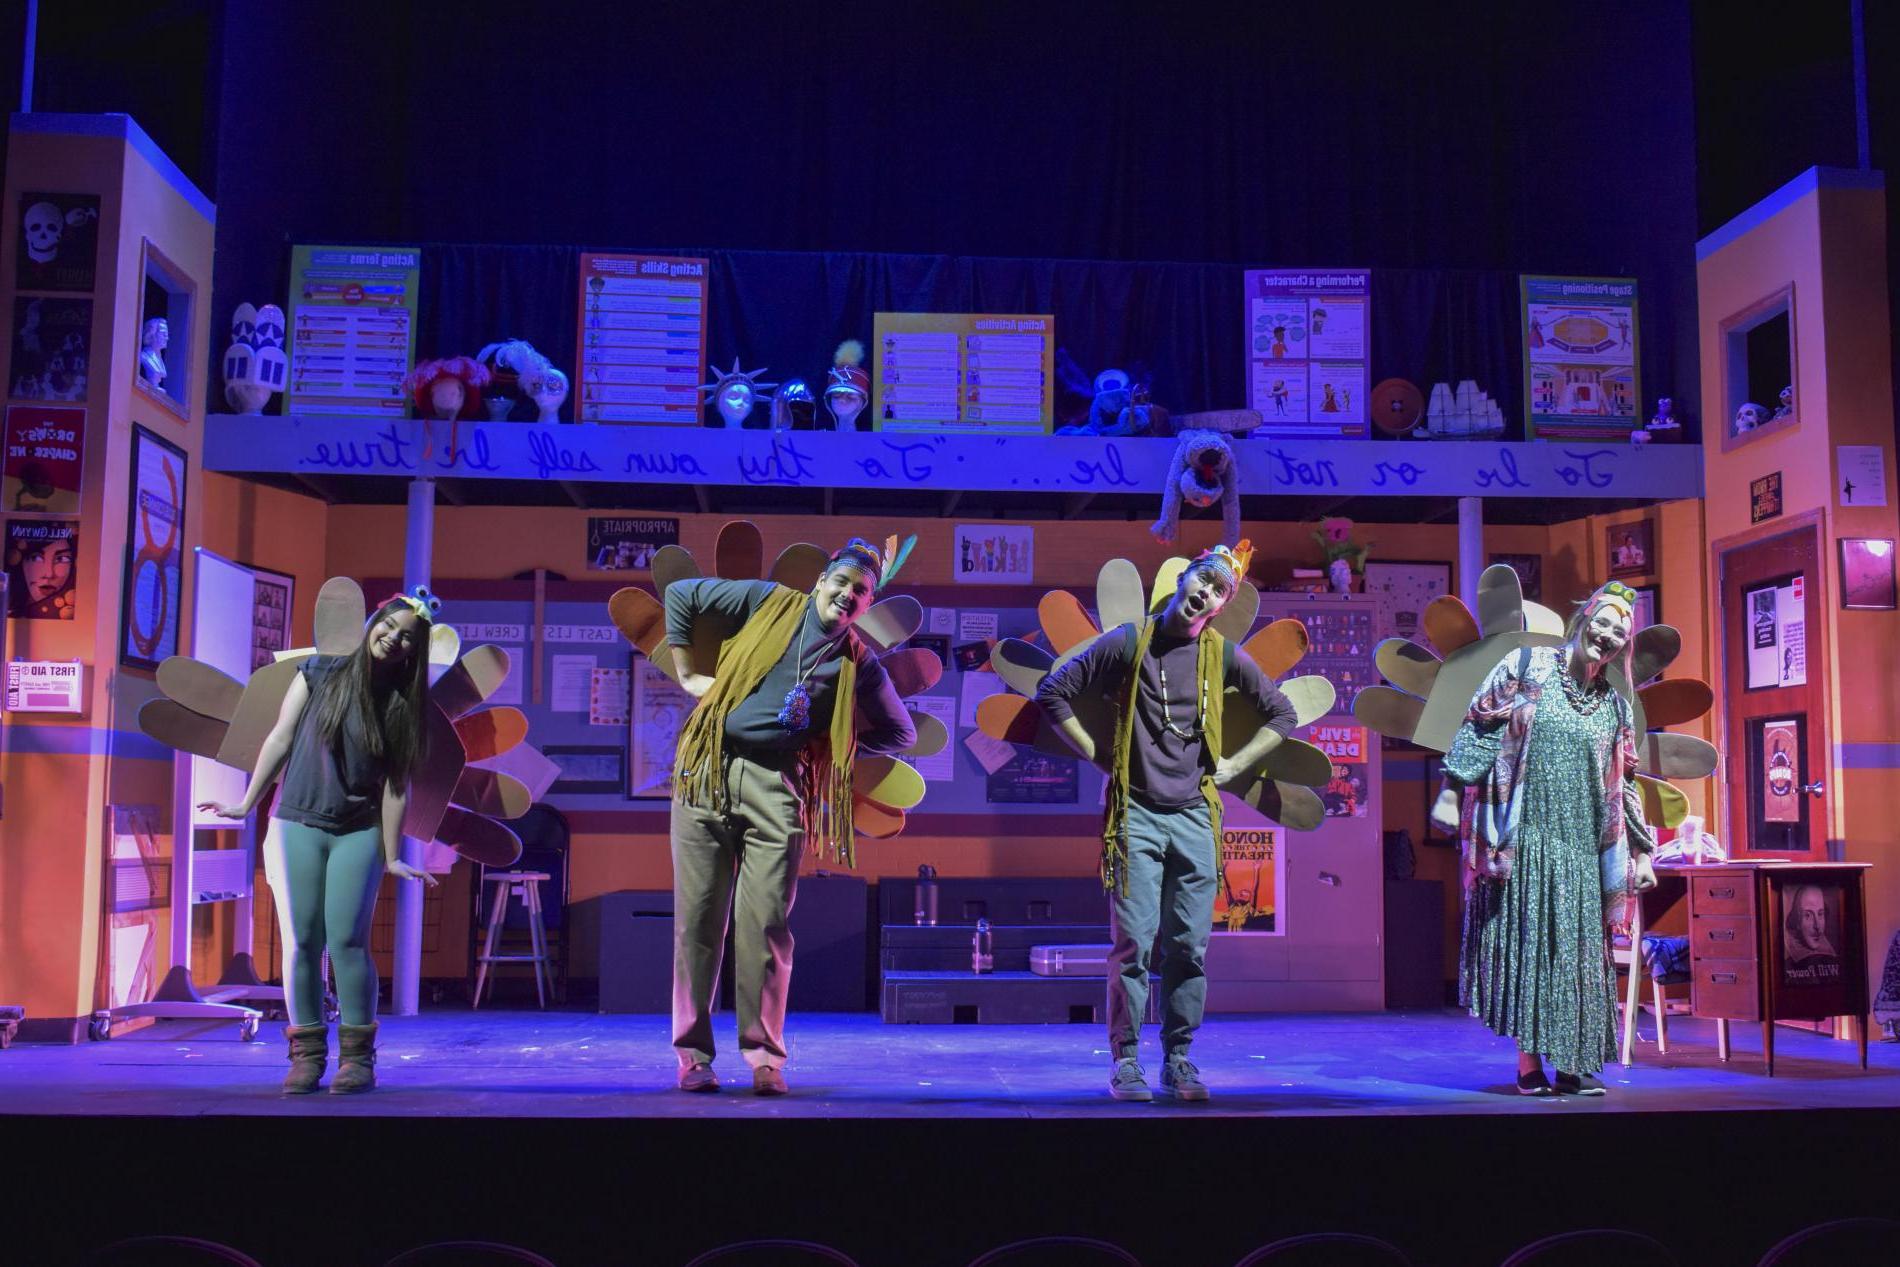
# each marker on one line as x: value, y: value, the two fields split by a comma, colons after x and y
x: 754, y: 846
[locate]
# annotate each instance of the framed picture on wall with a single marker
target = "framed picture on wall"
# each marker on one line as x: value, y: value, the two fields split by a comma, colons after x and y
x: 1631, y: 548
x: 1867, y: 578
x: 1408, y: 588
x: 1529, y: 569
x: 1647, y: 610
x: 154, y: 552
x: 270, y: 615
x: 593, y: 768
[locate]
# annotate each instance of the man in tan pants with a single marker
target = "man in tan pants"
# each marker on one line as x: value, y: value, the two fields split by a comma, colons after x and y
x: 764, y: 768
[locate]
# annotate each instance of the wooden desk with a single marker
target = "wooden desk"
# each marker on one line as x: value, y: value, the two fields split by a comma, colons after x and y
x: 1777, y: 941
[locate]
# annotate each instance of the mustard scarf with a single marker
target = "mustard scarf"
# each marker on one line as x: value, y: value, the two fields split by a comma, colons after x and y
x: 1210, y: 669
x: 821, y: 777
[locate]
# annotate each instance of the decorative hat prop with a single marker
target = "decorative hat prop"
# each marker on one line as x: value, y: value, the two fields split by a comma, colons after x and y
x: 254, y: 365
x: 1281, y: 786
x: 793, y: 408
x: 885, y: 787
x: 447, y: 389
x: 476, y: 767
x: 735, y: 392
x: 847, y: 386
x: 1432, y: 687
x: 509, y: 362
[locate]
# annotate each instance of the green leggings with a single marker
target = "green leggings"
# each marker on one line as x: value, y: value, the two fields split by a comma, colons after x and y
x: 325, y: 888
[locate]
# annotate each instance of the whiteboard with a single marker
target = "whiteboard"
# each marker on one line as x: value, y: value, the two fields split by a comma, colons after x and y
x: 221, y: 638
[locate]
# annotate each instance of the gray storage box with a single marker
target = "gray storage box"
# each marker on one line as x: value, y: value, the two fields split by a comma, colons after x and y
x: 1069, y: 961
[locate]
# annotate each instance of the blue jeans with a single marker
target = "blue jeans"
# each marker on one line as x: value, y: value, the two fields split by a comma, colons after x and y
x: 1173, y: 873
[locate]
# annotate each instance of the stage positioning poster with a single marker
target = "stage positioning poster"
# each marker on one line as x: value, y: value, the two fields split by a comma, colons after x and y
x: 1580, y: 357
x: 643, y: 339
x: 352, y: 334
x: 1308, y: 354
x: 969, y: 372
x: 45, y: 450
x: 155, y: 552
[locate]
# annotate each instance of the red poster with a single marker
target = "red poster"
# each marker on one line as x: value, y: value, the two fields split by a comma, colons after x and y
x: 45, y: 450
x: 1345, y: 743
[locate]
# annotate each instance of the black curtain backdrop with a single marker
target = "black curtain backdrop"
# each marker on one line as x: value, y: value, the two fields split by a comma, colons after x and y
x: 838, y: 159
x: 787, y: 311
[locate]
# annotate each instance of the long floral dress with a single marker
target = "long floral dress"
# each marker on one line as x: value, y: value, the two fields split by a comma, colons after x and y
x: 1550, y: 817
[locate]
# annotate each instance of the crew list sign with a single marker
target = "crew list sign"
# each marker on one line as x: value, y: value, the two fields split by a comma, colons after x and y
x: 944, y: 371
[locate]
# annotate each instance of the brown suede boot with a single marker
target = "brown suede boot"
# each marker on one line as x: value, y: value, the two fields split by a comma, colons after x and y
x: 355, y: 1059
x: 309, y: 1053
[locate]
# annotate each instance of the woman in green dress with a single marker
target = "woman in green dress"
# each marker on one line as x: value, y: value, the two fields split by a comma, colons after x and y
x: 1541, y: 790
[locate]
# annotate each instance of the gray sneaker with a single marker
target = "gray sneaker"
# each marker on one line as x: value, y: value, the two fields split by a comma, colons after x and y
x: 1128, y: 1082
x: 1180, y: 1079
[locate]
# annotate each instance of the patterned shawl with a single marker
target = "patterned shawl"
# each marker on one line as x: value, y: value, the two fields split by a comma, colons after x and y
x: 1507, y: 704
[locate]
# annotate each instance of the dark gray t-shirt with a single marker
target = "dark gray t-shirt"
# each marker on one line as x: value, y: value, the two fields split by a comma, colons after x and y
x: 883, y: 723
x: 1164, y: 770
x: 332, y: 787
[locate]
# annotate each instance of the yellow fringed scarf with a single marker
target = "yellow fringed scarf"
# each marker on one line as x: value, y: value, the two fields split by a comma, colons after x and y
x: 821, y: 777
x: 1211, y: 669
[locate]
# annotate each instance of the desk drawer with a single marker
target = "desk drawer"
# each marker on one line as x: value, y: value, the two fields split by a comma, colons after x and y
x: 1722, y: 936
x: 1726, y: 988
x: 1722, y: 895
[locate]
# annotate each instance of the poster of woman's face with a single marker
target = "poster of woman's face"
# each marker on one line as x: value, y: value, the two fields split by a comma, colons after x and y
x: 1810, y: 934
x: 58, y: 241
x: 42, y: 568
x: 52, y: 348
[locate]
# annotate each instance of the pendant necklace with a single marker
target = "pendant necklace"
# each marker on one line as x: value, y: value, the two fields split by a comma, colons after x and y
x: 795, y: 712
x: 1585, y: 700
x: 1167, y: 707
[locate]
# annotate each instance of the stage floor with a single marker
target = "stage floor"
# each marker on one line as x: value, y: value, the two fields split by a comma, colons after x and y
x: 530, y: 1064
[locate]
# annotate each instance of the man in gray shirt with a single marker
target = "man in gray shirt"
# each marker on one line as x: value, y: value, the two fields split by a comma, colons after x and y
x: 763, y: 771
x: 1161, y: 833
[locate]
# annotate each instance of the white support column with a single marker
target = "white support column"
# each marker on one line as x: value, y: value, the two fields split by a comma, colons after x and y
x: 405, y: 988
x: 1470, y: 549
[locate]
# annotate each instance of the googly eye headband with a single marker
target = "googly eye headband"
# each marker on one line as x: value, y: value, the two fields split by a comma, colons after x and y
x: 419, y: 600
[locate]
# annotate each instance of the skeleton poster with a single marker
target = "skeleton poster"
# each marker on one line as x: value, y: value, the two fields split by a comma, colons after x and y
x: 52, y: 348
x: 1580, y: 357
x: 58, y: 242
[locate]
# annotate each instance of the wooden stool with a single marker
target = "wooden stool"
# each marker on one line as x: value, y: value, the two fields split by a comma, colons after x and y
x: 526, y: 884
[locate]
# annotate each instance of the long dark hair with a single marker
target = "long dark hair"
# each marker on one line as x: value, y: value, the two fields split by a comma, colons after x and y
x: 385, y: 718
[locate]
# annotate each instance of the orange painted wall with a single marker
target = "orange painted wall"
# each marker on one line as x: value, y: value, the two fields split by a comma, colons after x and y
x: 1828, y: 244
x: 55, y: 829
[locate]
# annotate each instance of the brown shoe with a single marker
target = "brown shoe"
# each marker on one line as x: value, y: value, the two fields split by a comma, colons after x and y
x: 309, y: 1053
x: 699, y: 1078
x: 767, y: 1081
x: 355, y: 1059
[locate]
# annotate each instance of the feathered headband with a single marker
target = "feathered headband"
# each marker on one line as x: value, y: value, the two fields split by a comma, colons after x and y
x: 1233, y: 559
x: 880, y: 563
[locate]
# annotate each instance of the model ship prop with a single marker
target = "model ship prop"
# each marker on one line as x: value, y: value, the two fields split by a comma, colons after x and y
x: 886, y: 787
x: 1281, y: 786
x: 476, y: 767
x: 1431, y: 687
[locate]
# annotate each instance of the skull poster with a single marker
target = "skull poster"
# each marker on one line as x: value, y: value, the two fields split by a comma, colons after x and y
x: 58, y: 242
x: 52, y: 348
